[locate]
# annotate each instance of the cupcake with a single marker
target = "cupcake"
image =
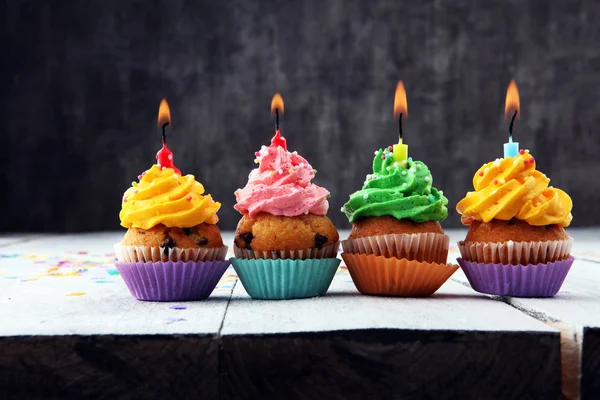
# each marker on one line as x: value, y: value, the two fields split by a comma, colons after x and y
x: 516, y: 244
x: 172, y: 250
x: 397, y: 246
x: 285, y: 245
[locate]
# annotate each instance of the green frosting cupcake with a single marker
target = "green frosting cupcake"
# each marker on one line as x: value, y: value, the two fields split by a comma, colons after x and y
x: 400, y: 189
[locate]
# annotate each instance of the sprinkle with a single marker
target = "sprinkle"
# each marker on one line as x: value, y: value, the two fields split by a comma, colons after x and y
x: 521, y: 151
x: 409, y: 158
x: 526, y: 162
x: 388, y: 155
x: 431, y: 199
x: 418, y: 165
x: 342, y: 209
x: 257, y: 153
x: 163, y: 168
x: 515, y: 162
x: 134, y: 183
x: 314, y: 171
x: 404, y: 184
x: 256, y: 161
x: 495, y: 181
x: 544, y: 175
x: 76, y: 294
x: 158, y: 164
x: 388, y: 168
x: 152, y: 183
x: 136, y: 192
x: 302, y: 165
x: 383, y: 157
x: 140, y: 177
x: 280, y: 171
x: 390, y: 148
x: 526, y: 151
x: 170, y: 156
x: 263, y: 147
x: 295, y: 153
x: 413, y: 170
x: 485, y: 171
x: 375, y: 152
x: 532, y: 160
x: 480, y: 173
x: 175, y: 176
x: 271, y: 173
x: 502, y: 181
x: 496, y: 163
x: 124, y: 199
x: 426, y: 179
x: 396, y: 164
x: 441, y: 192
x: 189, y: 198
x: 290, y: 171
x: 305, y: 212
x: 366, y: 196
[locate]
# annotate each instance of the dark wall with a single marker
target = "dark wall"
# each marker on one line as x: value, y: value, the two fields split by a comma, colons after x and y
x: 82, y: 82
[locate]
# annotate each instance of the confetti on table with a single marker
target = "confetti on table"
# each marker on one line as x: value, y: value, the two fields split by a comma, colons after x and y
x: 172, y: 320
x: 76, y: 294
x: 178, y: 307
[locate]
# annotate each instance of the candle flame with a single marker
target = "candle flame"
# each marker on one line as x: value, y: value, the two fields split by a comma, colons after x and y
x: 277, y: 103
x: 164, y: 113
x: 400, y: 103
x: 512, y: 101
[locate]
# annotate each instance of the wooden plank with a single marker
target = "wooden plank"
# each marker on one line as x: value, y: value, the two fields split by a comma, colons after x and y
x: 71, y: 330
x: 346, y: 346
x: 575, y: 311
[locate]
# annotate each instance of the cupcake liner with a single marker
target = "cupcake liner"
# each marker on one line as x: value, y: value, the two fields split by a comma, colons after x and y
x: 171, y: 281
x: 531, y: 280
x: 304, y: 254
x: 283, y: 279
x: 392, y: 276
x: 515, y: 252
x: 156, y: 254
x: 429, y: 247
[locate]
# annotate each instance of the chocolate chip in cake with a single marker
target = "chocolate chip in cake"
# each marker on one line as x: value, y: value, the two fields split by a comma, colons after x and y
x: 247, y: 238
x: 202, y: 241
x: 187, y: 231
x: 141, y: 232
x: 320, y: 240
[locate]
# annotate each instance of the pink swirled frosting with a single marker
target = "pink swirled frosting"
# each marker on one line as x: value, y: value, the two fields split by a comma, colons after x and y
x: 281, y: 186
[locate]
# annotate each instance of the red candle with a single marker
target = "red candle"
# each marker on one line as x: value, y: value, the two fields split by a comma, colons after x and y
x: 164, y: 157
x: 276, y: 107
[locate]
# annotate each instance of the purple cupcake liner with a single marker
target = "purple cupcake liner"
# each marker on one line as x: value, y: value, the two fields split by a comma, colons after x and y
x: 172, y: 281
x: 532, y: 280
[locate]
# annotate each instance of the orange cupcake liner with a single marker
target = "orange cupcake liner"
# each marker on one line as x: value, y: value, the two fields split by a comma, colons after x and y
x: 429, y: 247
x: 157, y: 254
x: 516, y: 253
x: 302, y: 254
x: 393, y: 276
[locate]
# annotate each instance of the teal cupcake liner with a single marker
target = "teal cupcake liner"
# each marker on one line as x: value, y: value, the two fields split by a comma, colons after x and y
x: 285, y: 279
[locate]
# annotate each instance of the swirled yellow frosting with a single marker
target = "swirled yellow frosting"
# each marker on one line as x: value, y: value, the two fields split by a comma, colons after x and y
x: 512, y: 188
x: 164, y: 197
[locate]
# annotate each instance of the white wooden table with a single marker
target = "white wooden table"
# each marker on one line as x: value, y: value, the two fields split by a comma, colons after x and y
x: 70, y: 329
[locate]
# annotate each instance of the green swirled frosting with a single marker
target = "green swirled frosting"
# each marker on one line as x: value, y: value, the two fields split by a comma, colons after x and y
x: 400, y: 189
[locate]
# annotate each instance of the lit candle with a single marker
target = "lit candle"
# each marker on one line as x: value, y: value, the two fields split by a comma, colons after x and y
x: 511, y: 149
x: 400, y: 152
x: 164, y: 157
x: 276, y: 107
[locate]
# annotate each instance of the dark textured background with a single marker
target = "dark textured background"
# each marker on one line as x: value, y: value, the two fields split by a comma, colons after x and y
x: 82, y: 82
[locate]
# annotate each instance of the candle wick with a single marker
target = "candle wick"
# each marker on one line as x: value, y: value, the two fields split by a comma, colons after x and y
x: 400, y: 127
x: 164, y: 135
x: 277, y: 118
x: 510, y: 127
